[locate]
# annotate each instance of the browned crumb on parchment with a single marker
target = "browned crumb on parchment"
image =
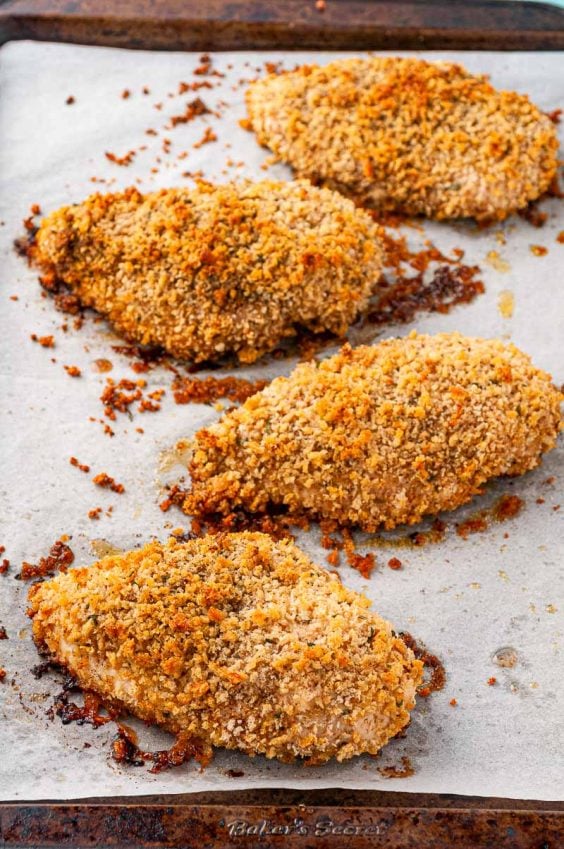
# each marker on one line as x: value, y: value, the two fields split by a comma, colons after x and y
x: 192, y: 110
x: 404, y: 771
x: 506, y: 507
x: 190, y: 390
x: 74, y: 704
x: 420, y: 281
x: 436, y: 674
x: 124, y: 160
x: 126, y: 750
x: 278, y: 525
x: 105, y: 481
x: 340, y: 539
x: 102, y: 365
x: 44, y: 341
x: 77, y: 464
x: 413, y: 539
x: 59, y: 559
x: 119, y: 396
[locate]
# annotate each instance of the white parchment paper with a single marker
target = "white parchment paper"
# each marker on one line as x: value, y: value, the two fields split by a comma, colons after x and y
x: 464, y: 599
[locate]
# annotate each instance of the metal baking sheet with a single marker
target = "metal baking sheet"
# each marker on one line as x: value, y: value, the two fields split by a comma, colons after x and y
x: 465, y: 599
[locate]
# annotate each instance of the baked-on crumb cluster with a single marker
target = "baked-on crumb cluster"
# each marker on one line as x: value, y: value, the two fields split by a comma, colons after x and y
x: 408, y: 135
x: 216, y: 269
x: 380, y: 435
x: 236, y: 639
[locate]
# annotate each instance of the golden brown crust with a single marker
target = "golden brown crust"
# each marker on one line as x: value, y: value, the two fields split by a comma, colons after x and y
x: 380, y: 435
x: 235, y: 639
x: 408, y: 135
x: 216, y: 269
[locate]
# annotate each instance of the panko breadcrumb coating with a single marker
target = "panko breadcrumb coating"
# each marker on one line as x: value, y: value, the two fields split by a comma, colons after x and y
x: 408, y: 135
x: 237, y: 640
x: 379, y: 435
x: 215, y: 269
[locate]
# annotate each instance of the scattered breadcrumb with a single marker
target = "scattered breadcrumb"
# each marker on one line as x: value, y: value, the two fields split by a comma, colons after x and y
x: 102, y: 365
x: 404, y: 771
x: 183, y: 87
x: 425, y: 280
x: 193, y: 109
x: 208, y: 136
x: 59, y: 559
x: 118, y: 397
x: 125, y: 160
x: 44, y: 341
x: 106, y: 482
x: 82, y: 466
x: 205, y: 68
x: 190, y: 390
x: 506, y: 507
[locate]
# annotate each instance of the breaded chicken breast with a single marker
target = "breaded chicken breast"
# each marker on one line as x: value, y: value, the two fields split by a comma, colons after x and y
x: 236, y: 640
x: 422, y: 138
x: 216, y: 269
x: 379, y: 436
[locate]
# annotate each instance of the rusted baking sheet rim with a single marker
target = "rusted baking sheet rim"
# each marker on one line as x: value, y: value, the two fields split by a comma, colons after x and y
x: 287, y: 24
x: 416, y: 821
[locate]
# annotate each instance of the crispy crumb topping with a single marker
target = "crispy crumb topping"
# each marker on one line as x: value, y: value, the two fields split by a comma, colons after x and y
x: 216, y: 269
x: 380, y: 435
x: 408, y: 135
x: 235, y: 639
